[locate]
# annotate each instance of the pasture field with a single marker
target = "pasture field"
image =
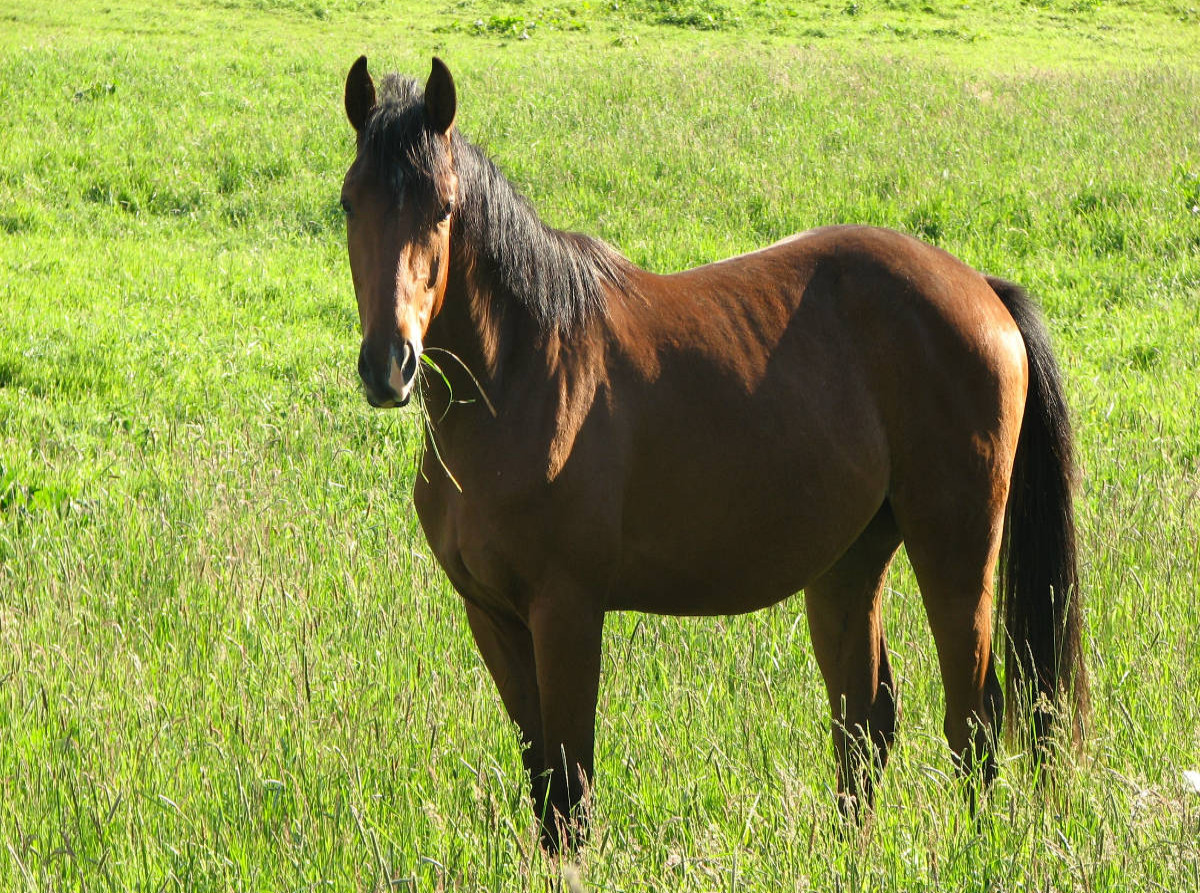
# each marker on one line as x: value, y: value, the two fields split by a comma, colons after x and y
x: 227, y: 660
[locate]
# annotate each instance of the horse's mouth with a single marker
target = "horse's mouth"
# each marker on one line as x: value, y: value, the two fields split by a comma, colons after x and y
x: 397, y: 402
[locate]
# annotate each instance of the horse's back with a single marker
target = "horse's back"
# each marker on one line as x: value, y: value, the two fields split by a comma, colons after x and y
x: 864, y: 306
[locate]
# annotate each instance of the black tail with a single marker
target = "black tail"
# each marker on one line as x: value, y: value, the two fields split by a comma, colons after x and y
x: 1039, y: 579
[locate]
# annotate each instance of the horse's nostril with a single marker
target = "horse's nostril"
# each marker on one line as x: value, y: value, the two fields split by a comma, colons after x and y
x: 408, y: 368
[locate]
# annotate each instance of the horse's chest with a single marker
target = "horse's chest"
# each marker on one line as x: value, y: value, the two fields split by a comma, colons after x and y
x: 480, y: 554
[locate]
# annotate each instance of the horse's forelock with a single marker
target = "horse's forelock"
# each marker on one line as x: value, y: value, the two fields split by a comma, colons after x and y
x: 397, y: 135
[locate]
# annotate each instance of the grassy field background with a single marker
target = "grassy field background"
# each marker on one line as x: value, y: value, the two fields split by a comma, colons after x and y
x: 227, y: 660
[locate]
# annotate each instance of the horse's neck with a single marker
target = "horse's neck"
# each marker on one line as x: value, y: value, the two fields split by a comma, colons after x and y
x: 476, y: 339
x: 485, y: 340
x: 465, y: 347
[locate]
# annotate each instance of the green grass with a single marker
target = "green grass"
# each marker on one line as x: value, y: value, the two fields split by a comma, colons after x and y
x: 227, y: 660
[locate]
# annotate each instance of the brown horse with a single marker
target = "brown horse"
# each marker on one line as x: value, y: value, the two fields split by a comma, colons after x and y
x: 601, y: 438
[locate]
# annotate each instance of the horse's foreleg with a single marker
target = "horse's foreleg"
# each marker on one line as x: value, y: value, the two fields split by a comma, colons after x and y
x: 845, y: 620
x: 566, y: 626
x: 507, y: 650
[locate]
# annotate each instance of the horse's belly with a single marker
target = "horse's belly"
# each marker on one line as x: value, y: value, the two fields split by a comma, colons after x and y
x: 741, y: 563
x: 647, y: 585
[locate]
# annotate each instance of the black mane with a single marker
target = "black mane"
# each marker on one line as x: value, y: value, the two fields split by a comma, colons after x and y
x: 561, y: 277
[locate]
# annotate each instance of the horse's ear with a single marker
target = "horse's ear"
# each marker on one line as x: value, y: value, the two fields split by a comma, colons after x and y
x: 441, y: 101
x: 360, y: 94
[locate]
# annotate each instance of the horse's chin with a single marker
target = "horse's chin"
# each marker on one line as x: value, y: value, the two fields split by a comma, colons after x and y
x: 390, y: 403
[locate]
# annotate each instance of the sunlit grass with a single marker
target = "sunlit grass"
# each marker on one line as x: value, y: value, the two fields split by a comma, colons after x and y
x: 227, y: 657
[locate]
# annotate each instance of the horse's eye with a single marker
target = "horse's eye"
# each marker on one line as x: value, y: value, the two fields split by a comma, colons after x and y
x: 346, y: 207
x: 447, y: 210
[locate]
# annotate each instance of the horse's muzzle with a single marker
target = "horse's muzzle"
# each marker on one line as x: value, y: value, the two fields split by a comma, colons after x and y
x: 389, y: 383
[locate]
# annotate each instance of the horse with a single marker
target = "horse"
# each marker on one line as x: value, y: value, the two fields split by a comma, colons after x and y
x: 603, y: 438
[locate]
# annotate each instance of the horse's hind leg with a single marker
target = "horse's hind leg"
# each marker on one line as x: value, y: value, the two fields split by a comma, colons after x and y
x: 953, y: 549
x: 846, y: 624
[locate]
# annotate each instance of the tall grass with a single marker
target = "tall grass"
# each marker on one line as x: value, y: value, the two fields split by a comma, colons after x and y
x: 227, y: 658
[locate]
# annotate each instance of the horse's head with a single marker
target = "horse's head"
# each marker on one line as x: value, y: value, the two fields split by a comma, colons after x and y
x: 398, y: 196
